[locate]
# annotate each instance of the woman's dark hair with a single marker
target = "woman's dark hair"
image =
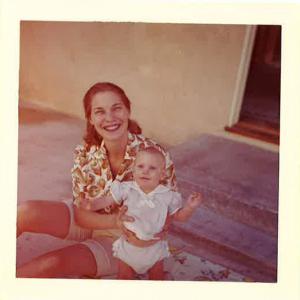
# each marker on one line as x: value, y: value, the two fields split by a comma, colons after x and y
x: 92, y: 137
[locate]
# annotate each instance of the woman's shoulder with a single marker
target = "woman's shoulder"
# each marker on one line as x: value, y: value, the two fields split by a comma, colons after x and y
x: 85, y: 153
x: 81, y: 150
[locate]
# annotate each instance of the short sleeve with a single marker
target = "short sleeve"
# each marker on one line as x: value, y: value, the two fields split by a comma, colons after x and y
x: 79, y: 178
x: 118, y: 191
x: 175, y: 203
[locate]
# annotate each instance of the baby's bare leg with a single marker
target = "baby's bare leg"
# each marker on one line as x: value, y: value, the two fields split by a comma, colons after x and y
x: 125, y: 271
x: 157, y: 271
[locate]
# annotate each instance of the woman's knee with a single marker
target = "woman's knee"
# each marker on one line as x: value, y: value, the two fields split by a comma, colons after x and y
x: 28, y: 210
x: 26, y: 214
x: 39, y: 216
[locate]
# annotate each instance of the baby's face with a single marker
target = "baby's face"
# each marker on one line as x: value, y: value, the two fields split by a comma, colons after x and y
x: 148, y: 170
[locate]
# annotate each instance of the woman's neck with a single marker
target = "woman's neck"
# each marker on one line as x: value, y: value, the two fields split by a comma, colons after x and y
x: 116, y: 152
x: 116, y: 149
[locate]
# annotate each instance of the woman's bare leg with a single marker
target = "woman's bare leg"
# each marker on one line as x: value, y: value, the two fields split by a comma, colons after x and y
x: 125, y: 271
x: 157, y: 271
x: 75, y: 260
x: 51, y: 217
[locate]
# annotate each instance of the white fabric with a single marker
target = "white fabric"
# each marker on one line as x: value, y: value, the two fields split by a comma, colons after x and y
x: 140, y: 259
x: 149, y: 210
x: 101, y: 248
x: 76, y: 232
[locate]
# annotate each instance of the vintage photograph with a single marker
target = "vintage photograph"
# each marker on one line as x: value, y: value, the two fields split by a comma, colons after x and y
x: 148, y: 151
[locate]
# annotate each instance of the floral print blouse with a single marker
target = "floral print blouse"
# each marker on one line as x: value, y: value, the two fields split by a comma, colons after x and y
x: 91, y: 173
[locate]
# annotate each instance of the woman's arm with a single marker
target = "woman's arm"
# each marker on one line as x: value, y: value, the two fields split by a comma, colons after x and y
x: 92, y: 220
x: 98, y: 203
x: 130, y: 236
x: 132, y: 239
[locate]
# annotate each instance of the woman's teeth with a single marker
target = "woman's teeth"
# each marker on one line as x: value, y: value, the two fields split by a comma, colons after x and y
x: 111, y: 127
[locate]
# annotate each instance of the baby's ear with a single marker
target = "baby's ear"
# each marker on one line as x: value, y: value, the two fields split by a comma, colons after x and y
x: 163, y: 175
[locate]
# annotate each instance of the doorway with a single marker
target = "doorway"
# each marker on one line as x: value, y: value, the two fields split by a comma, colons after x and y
x: 260, y: 111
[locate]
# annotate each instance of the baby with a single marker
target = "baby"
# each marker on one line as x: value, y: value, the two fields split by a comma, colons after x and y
x: 149, y: 203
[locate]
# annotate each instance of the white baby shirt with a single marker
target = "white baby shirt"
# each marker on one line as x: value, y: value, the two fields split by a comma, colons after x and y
x: 149, y: 210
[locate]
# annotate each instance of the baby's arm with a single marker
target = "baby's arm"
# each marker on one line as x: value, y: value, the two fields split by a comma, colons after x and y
x: 192, y: 203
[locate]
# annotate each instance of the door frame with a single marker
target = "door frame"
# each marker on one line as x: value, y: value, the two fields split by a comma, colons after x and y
x: 242, y: 74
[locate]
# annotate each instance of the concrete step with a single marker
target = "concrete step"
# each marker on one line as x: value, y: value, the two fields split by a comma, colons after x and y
x: 232, y: 207
x: 236, y: 246
x: 237, y: 180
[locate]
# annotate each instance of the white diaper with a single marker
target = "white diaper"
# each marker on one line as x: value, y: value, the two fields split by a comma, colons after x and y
x: 141, y: 259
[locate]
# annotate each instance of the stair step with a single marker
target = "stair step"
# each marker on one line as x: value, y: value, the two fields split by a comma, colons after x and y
x: 232, y: 207
x: 235, y: 245
x: 236, y: 179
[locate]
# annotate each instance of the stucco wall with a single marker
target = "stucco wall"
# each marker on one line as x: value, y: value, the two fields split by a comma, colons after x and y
x: 180, y: 78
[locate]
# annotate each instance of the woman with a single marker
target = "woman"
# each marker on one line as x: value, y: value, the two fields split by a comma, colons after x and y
x: 111, y: 142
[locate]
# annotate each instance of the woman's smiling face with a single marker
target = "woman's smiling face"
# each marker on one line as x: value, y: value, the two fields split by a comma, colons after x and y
x: 109, y: 116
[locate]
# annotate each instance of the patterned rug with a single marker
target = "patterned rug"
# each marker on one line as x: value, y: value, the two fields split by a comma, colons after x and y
x: 185, y: 266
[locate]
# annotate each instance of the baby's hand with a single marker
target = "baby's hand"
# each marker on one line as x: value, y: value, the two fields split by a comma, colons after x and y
x: 194, y: 200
